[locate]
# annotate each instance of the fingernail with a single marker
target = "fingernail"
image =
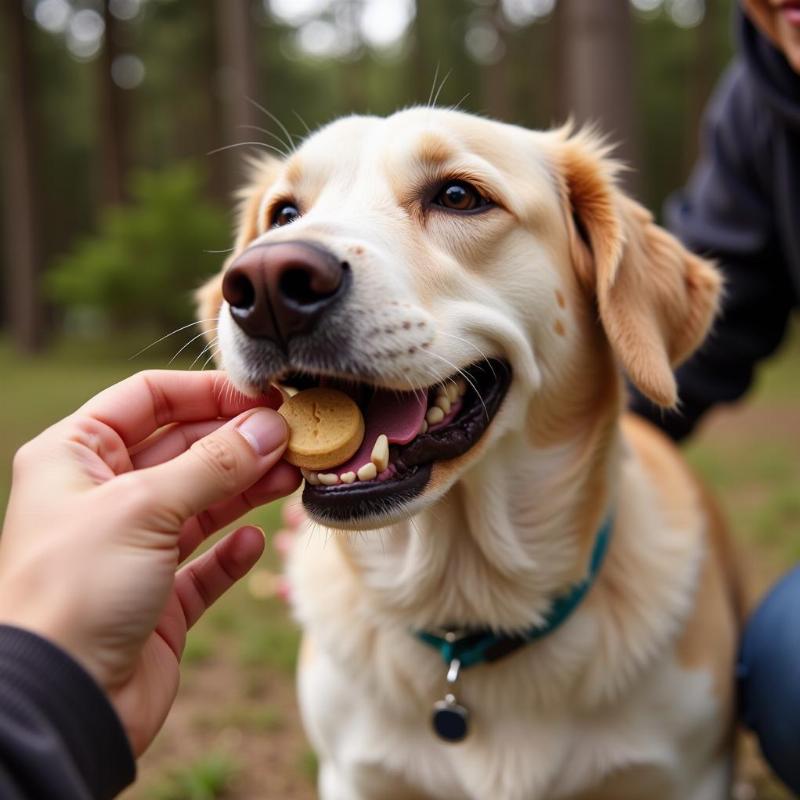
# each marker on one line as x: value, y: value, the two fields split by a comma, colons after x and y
x: 248, y: 540
x: 264, y: 430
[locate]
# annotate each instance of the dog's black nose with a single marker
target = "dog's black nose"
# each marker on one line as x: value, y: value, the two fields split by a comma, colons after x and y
x: 277, y: 291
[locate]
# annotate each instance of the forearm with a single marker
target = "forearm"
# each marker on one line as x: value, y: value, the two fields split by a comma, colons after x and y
x: 59, y: 736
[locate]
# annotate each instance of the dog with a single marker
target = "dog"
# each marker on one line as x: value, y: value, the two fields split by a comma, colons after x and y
x: 540, y: 601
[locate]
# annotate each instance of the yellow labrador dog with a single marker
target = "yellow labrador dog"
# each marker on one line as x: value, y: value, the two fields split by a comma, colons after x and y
x: 541, y: 603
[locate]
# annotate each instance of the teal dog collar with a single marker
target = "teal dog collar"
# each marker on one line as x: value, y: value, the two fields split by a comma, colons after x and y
x: 461, y: 649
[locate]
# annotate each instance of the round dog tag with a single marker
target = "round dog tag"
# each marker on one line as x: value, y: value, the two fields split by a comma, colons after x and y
x: 450, y: 720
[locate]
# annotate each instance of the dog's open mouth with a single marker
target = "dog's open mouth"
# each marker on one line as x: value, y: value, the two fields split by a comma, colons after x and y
x: 406, y: 432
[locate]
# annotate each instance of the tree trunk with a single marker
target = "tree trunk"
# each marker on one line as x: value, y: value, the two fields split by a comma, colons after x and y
x: 423, y: 71
x: 25, y: 306
x: 704, y: 70
x: 352, y: 75
x: 212, y: 127
x: 113, y: 117
x: 530, y: 57
x: 440, y: 69
x: 495, y: 78
x: 594, y: 70
x: 238, y: 81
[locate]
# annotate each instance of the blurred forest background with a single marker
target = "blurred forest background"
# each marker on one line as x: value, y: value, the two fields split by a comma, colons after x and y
x: 116, y: 117
x: 123, y: 127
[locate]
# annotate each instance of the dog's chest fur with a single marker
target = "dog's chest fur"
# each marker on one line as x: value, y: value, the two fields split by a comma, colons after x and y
x: 600, y: 709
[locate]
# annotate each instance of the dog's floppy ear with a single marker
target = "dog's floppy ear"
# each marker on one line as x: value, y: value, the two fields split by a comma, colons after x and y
x: 208, y: 298
x: 656, y: 300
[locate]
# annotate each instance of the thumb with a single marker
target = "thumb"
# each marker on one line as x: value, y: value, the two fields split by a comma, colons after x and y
x: 220, y: 465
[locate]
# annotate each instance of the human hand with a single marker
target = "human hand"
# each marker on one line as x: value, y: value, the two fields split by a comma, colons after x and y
x: 107, y: 503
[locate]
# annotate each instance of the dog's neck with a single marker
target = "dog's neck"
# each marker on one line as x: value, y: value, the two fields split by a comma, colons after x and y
x: 514, y: 532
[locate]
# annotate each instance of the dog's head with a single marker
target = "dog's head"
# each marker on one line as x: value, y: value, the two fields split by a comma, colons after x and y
x: 448, y: 272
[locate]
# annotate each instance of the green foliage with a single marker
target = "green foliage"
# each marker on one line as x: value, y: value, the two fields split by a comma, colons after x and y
x: 199, y: 649
x: 147, y: 255
x: 206, y: 779
x: 308, y: 765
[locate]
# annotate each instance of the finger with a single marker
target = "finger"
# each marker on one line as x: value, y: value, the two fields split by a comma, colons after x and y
x: 280, y: 481
x: 171, y: 441
x: 145, y: 402
x: 213, y: 470
x: 203, y: 581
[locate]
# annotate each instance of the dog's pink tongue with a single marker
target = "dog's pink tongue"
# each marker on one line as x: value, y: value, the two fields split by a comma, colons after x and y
x: 397, y: 414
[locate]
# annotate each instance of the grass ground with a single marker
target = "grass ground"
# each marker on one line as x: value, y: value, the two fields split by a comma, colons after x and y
x: 234, y: 732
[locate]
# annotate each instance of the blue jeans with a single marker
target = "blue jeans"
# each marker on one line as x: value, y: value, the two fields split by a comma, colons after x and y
x: 769, y: 678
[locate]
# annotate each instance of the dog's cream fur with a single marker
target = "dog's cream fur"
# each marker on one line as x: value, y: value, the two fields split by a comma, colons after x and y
x: 632, y: 697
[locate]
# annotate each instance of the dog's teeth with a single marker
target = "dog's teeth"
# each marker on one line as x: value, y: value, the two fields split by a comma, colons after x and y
x: 443, y: 403
x: 347, y: 477
x: 328, y: 478
x: 284, y: 390
x: 380, y: 453
x: 461, y: 385
x: 453, y: 392
x: 435, y: 415
x: 310, y: 476
x: 424, y: 427
x: 368, y: 472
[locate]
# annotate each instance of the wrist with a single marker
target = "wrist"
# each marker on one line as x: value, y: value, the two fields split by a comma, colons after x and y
x: 51, y: 623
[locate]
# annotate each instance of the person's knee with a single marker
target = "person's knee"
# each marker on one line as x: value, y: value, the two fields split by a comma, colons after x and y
x: 770, y: 678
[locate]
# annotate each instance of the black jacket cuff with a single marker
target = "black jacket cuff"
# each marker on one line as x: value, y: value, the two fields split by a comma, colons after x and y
x: 57, y: 727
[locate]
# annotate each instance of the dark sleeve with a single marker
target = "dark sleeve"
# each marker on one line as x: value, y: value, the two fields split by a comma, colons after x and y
x: 725, y: 213
x: 60, y: 739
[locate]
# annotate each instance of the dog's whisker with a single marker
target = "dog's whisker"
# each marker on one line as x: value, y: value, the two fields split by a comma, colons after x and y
x: 441, y: 86
x: 229, y: 393
x: 302, y: 122
x: 475, y: 347
x: 457, y: 106
x: 456, y: 370
x: 433, y: 85
x: 247, y: 144
x: 208, y: 347
x: 414, y: 526
x: 171, y: 333
x: 218, y: 252
x: 467, y: 378
x: 217, y: 379
x: 268, y: 133
x: 194, y: 338
x: 289, y: 139
x: 209, y: 360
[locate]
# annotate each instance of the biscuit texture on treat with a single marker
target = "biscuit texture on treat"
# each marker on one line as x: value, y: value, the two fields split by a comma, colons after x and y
x: 326, y: 427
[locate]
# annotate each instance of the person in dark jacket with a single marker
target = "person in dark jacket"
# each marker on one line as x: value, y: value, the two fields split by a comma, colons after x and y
x: 94, y: 605
x: 742, y: 207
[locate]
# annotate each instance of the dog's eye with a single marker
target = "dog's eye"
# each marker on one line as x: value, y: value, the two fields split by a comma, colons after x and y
x: 283, y: 214
x: 459, y: 196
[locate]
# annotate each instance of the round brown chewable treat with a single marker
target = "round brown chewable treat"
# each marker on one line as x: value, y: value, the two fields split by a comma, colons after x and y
x: 325, y: 428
